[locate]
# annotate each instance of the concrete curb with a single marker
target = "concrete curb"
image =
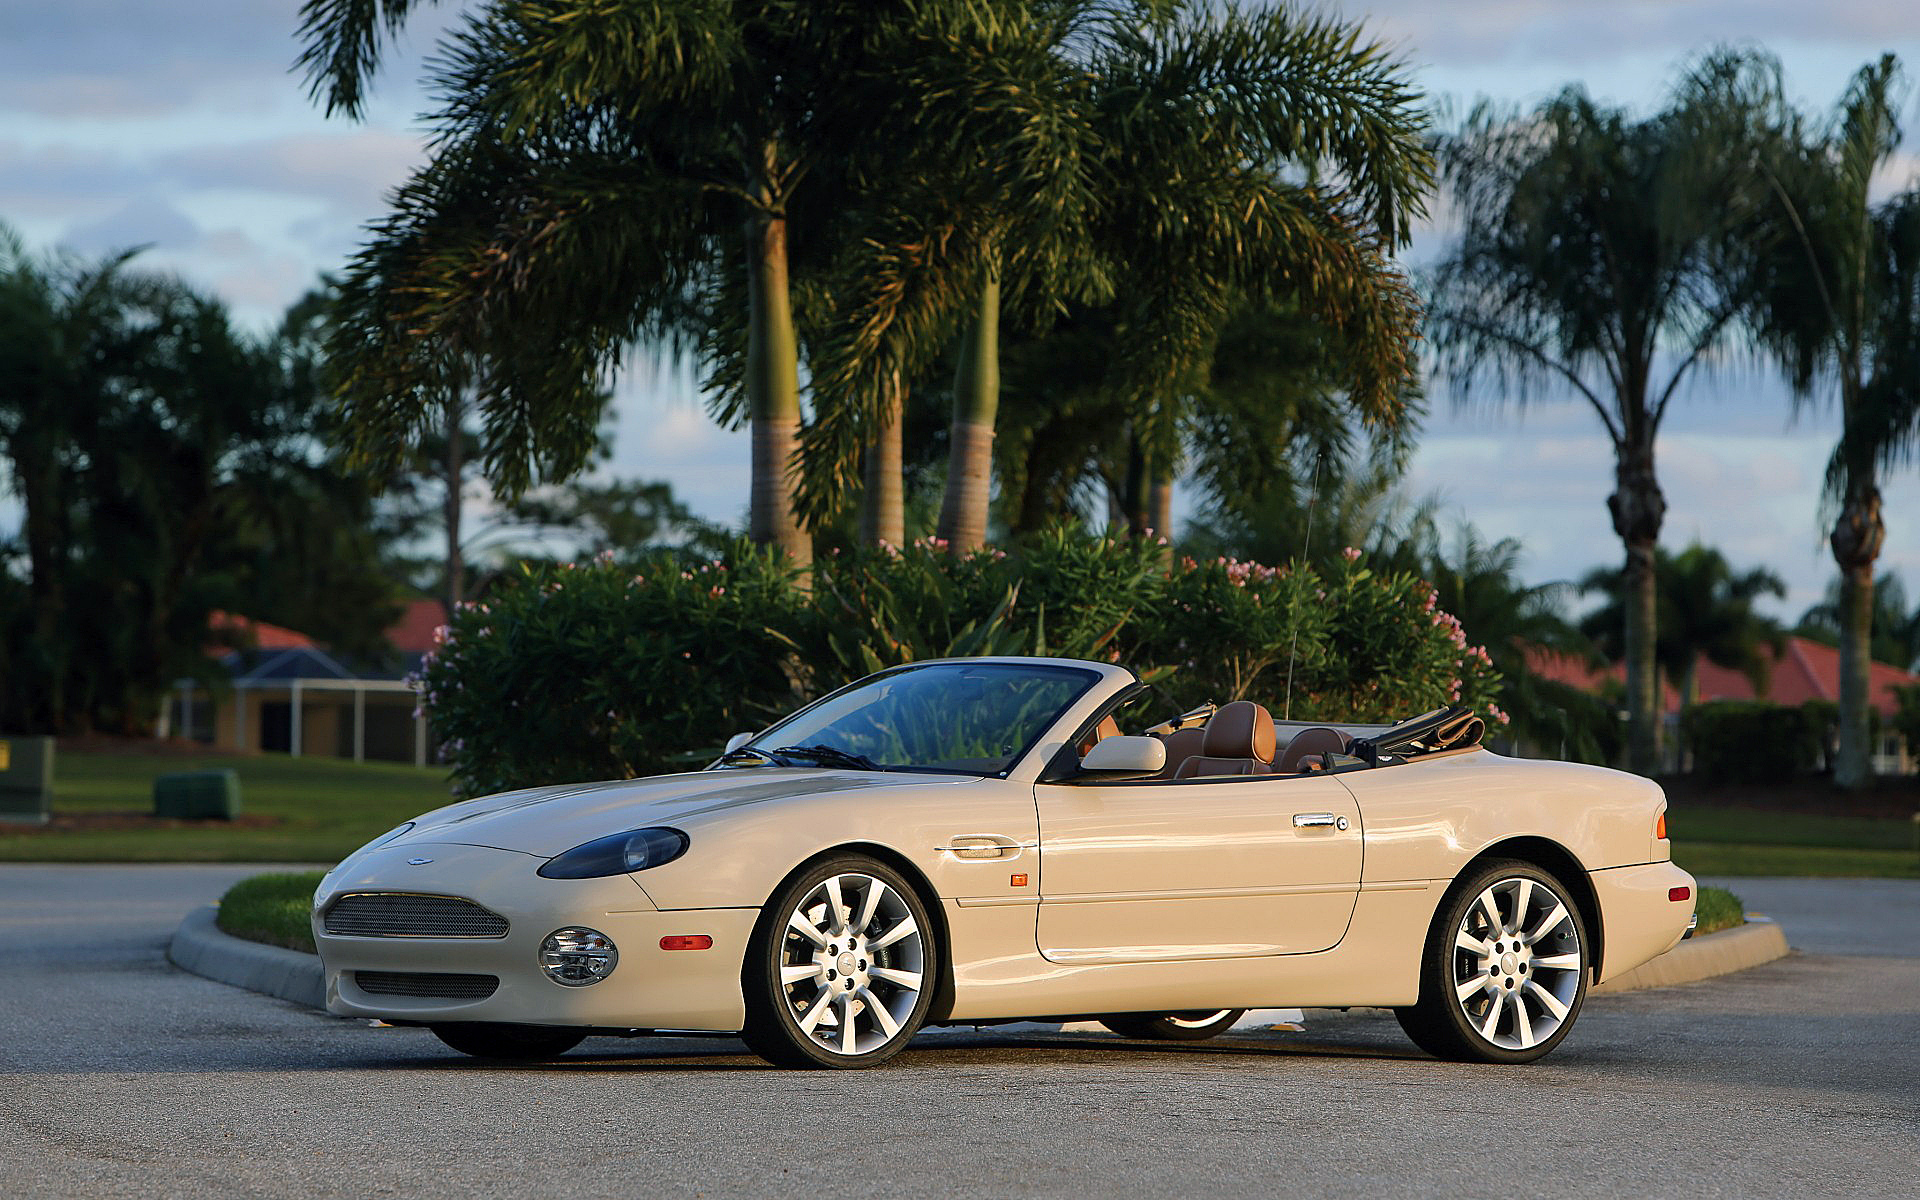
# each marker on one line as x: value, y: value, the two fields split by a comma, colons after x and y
x: 200, y: 946
x: 1758, y: 941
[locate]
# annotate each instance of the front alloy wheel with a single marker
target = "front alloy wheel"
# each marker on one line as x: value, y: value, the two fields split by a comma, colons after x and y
x: 842, y: 969
x: 1506, y: 969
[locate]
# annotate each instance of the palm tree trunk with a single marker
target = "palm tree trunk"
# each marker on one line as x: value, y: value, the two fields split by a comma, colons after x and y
x: 1856, y: 541
x: 773, y: 389
x: 976, y: 405
x: 1160, y: 508
x: 43, y: 529
x: 883, y: 513
x: 456, y: 470
x: 1638, y: 509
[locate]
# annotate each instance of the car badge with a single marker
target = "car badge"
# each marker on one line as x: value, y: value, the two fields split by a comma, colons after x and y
x: 418, y: 862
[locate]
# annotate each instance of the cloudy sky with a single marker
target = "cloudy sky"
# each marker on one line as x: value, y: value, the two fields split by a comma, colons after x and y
x: 179, y: 125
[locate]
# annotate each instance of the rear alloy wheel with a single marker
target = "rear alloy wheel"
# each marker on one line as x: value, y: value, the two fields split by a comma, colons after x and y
x: 518, y: 1043
x: 1505, y: 971
x: 842, y: 968
x: 1174, y: 1026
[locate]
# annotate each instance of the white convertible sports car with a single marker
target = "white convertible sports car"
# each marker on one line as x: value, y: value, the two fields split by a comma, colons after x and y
x: 973, y: 840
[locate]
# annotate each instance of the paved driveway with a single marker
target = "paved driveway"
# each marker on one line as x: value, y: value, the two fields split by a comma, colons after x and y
x: 121, y: 1076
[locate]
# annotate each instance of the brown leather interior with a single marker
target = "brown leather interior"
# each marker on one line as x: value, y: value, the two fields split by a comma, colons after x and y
x: 1315, y: 743
x: 1239, y: 740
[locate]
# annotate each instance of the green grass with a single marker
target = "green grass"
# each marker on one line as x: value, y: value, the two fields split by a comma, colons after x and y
x: 271, y: 909
x: 1741, y: 841
x: 292, y: 810
x: 1733, y: 858
x: 1718, y: 909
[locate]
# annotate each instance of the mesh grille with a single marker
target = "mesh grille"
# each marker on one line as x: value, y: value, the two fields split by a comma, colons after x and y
x: 400, y: 914
x: 418, y: 983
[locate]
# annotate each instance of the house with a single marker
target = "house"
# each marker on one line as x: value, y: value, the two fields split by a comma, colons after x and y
x: 285, y: 693
x: 1803, y: 670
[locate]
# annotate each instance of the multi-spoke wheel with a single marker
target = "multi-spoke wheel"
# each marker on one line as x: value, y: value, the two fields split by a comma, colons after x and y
x: 842, y: 968
x: 1505, y: 970
x: 1174, y: 1026
x: 521, y: 1043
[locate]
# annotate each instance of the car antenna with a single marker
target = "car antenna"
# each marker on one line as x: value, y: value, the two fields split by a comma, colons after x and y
x: 1306, y: 548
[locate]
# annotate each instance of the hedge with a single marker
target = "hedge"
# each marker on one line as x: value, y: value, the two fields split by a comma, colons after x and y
x: 596, y: 670
x: 1747, y: 741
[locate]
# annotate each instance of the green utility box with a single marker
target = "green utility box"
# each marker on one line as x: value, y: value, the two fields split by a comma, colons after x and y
x: 26, y: 779
x: 197, y: 795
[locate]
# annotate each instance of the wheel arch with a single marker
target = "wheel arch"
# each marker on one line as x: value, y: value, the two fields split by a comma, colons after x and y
x: 922, y: 886
x: 1550, y: 856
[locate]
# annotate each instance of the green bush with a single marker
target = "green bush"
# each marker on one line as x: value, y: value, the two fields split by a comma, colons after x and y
x: 271, y: 909
x: 1746, y: 741
x: 591, y: 671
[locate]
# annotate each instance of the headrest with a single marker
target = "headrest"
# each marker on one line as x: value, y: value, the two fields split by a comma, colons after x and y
x: 1318, y: 740
x: 1242, y: 729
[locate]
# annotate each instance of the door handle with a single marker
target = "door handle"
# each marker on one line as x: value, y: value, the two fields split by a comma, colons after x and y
x: 1312, y: 820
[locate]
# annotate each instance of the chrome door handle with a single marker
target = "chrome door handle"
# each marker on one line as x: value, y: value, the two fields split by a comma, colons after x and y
x: 1311, y: 820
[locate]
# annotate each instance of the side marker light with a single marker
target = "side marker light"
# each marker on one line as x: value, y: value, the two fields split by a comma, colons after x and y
x: 1680, y: 893
x: 686, y: 941
x: 1018, y: 881
x: 1660, y: 826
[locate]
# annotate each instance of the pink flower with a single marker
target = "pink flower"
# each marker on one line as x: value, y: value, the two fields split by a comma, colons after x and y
x: 1351, y: 554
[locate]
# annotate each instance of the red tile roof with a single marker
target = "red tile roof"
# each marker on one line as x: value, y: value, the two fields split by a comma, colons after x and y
x: 413, y: 632
x: 1805, y: 670
x: 245, y: 632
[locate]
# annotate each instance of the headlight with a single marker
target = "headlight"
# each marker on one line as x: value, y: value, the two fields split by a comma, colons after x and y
x: 576, y: 957
x: 617, y: 855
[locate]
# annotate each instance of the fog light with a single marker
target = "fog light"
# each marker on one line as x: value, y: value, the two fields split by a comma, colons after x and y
x: 576, y: 957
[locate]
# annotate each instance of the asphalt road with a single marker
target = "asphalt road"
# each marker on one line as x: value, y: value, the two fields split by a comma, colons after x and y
x: 122, y: 1076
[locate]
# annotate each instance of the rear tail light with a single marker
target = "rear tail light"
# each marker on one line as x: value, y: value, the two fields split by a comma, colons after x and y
x: 1680, y: 893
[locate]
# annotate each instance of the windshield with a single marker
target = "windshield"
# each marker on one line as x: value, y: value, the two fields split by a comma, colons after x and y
x: 963, y: 718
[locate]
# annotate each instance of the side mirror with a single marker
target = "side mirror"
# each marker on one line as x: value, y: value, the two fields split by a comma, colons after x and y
x: 1125, y: 756
x: 736, y: 741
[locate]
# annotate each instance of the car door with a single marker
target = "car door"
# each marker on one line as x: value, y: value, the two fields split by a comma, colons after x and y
x: 1165, y: 870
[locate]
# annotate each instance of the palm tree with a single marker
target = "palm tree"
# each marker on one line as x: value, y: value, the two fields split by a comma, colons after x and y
x: 603, y: 173
x: 1479, y: 582
x: 1836, y: 294
x: 1593, y: 259
x: 1895, y: 627
x: 1193, y: 132
x: 1706, y: 611
x: 60, y: 329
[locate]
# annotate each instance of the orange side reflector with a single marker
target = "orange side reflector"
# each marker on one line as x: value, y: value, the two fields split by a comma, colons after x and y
x: 1018, y: 881
x: 686, y: 941
x: 1680, y: 893
x: 1660, y: 826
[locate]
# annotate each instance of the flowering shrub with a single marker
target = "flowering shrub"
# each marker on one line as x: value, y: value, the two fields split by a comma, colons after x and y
x: 593, y: 671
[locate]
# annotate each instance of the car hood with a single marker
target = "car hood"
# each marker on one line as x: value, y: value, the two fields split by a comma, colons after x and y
x: 546, y: 821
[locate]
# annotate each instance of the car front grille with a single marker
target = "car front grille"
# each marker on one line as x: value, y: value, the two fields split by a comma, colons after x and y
x: 403, y: 914
x: 420, y: 983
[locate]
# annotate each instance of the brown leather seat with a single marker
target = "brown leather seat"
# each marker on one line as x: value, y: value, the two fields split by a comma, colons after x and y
x: 1181, y: 744
x: 1315, y: 744
x: 1239, y: 741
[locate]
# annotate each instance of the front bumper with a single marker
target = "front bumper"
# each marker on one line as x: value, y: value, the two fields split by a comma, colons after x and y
x: 650, y: 988
x: 1641, y: 921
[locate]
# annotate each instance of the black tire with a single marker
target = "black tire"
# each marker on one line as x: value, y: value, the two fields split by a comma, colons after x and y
x: 854, y: 990
x: 514, y: 1043
x: 1516, y: 997
x: 1174, y: 1026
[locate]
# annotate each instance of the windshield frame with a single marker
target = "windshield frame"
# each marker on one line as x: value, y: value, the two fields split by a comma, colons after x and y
x: 768, y: 739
